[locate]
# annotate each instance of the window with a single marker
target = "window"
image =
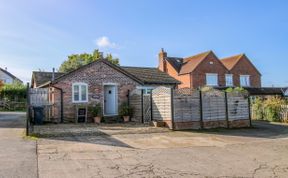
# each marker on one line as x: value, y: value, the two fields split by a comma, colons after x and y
x: 146, y: 89
x: 244, y: 80
x: 229, y: 79
x: 212, y: 79
x: 80, y: 92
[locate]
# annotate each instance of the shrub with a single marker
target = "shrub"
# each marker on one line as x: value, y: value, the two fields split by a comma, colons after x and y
x: 268, y: 109
x: 13, y: 92
x: 96, y: 110
x: 272, y: 107
x: 257, y: 107
x: 125, y: 110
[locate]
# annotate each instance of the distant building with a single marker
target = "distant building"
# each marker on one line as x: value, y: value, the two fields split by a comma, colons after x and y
x: 8, y: 78
x: 206, y: 69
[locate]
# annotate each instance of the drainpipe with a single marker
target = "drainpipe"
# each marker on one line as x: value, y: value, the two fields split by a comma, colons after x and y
x: 61, y: 104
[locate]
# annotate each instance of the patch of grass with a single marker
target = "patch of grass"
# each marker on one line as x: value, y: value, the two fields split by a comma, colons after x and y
x: 30, y: 137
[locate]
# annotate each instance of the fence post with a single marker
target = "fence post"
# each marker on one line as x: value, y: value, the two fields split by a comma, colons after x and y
x: 226, y: 109
x: 142, y: 112
x: 151, y: 105
x: 201, y: 110
x: 128, y: 98
x: 27, y: 109
x: 249, y: 110
x: 172, y: 108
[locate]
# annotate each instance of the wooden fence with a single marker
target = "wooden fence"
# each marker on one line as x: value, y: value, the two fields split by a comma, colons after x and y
x: 192, y: 109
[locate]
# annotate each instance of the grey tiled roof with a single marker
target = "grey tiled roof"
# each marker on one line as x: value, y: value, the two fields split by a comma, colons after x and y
x: 176, y: 62
x: 41, y: 78
x: 150, y: 75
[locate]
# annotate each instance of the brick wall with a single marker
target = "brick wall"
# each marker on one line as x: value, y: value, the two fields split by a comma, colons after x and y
x: 245, y: 67
x: 95, y: 76
x: 184, y: 79
x: 210, y: 65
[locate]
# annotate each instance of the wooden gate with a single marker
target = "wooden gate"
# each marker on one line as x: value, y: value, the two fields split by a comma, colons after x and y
x: 141, y: 104
x: 39, y: 97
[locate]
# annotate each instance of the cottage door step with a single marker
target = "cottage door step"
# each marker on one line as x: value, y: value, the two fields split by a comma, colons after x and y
x: 110, y: 100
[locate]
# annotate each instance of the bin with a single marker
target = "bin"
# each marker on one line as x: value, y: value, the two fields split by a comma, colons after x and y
x: 38, y: 115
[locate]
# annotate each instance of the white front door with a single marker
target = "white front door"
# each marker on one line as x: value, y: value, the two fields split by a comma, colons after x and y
x: 110, y: 100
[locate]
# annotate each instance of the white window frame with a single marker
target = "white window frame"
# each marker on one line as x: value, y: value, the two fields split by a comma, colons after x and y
x: 248, y: 84
x: 211, y: 74
x: 228, y: 84
x: 79, y: 84
x: 145, y: 89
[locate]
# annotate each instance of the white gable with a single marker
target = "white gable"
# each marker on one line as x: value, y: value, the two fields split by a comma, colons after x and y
x: 5, y: 78
x: 286, y: 92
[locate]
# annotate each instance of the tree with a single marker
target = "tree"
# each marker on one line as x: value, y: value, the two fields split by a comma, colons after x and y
x: 75, y: 61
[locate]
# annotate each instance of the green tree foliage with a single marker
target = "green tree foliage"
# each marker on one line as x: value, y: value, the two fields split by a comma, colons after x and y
x: 75, y: 61
x: 13, y: 92
x: 1, y: 84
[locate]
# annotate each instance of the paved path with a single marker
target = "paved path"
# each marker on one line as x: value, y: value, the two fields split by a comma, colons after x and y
x: 17, y: 155
x: 259, y: 152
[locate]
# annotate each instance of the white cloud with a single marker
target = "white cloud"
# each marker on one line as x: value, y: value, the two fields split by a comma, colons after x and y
x: 104, y: 42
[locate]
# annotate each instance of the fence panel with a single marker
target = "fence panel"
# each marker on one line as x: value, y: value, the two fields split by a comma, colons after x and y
x: 214, y: 109
x: 136, y: 102
x: 39, y: 96
x: 161, y: 105
x: 146, y: 108
x: 238, y: 106
x: 186, y: 105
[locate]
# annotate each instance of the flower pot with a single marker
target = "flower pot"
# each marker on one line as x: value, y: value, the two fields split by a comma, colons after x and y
x: 97, y: 120
x: 126, y: 118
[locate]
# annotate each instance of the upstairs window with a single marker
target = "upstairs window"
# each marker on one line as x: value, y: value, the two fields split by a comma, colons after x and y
x: 245, y: 80
x: 229, y: 80
x: 212, y: 79
x: 79, y: 93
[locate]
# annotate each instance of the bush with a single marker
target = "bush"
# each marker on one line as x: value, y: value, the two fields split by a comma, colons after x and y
x: 13, y: 92
x: 272, y: 107
x: 96, y: 110
x: 268, y: 109
x: 125, y: 110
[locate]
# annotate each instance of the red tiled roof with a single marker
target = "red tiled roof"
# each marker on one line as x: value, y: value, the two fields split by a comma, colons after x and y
x: 231, y: 61
x: 190, y: 63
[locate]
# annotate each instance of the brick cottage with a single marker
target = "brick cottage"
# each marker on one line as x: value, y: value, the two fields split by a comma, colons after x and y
x: 98, y: 82
x: 206, y: 69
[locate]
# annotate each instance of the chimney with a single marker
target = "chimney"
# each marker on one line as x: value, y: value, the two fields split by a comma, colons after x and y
x: 53, y: 74
x: 101, y: 55
x: 162, y: 60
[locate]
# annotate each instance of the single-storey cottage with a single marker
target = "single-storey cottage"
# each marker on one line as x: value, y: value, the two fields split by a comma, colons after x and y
x: 98, y: 82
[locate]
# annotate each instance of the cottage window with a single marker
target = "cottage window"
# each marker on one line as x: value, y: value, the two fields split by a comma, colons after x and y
x: 229, y: 79
x: 146, y: 89
x: 80, y: 92
x: 212, y: 79
x: 244, y: 80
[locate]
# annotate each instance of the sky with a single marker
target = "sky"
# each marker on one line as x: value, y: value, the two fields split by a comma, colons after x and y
x: 39, y: 35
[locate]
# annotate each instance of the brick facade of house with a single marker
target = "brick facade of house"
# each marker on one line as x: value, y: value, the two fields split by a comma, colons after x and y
x: 191, y: 71
x: 244, y: 67
x: 95, y: 76
x: 210, y: 65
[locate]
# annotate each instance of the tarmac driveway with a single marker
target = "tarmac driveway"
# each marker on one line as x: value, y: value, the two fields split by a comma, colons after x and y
x: 258, y: 152
x: 17, y: 155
